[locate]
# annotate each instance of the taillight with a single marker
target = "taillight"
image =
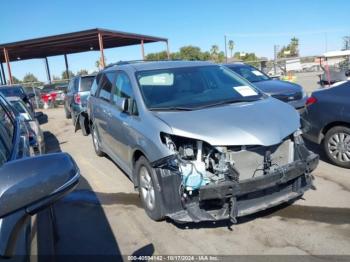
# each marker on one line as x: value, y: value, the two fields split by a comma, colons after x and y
x: 311, y: 100
x: 77, y: 99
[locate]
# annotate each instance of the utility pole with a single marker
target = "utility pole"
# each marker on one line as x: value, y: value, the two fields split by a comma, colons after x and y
x: 225, y: 47
x: 275, y: 51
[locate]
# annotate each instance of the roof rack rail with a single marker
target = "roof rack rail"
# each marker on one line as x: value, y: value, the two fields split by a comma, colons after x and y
x: 121, y: 62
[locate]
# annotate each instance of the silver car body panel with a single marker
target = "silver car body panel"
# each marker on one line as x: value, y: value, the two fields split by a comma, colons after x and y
x: 254, y: 123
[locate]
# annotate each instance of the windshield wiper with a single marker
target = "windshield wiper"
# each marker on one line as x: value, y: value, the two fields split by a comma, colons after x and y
x: 172, y: 108
x: 227, y: 102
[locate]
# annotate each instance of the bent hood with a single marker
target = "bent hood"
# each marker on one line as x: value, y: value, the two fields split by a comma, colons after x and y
x: 265, y: 122
x: 274, y: 87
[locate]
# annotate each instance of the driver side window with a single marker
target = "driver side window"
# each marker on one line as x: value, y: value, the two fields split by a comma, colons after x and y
x: 123, y: 89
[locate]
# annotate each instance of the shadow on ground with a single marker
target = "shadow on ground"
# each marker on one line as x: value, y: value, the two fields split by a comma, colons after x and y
x: 76, y: 228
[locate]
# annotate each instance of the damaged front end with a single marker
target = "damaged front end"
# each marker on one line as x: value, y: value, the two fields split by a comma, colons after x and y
x: 200, y: 182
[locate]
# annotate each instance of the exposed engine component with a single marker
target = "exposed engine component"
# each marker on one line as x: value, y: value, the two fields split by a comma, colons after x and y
x: 199, y: 163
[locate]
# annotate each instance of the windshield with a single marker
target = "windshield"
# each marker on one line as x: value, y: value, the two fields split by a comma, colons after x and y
x: 250, y: 73
x: 86, y: 83
x: 193, y: 87
x: 12, y: 91
x: 22, y: 109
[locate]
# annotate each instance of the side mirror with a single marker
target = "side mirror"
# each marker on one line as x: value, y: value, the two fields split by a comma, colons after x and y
x: 31, y: 95
x: 122, y: 104
x: 29, y: 185
x: 347, y: 73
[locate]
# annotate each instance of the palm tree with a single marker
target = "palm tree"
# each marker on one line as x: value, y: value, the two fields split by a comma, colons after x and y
x: 231, y: 46
x: 214, y: 50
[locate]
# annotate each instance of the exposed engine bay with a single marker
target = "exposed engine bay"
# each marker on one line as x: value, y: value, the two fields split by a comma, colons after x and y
x: 204, y: 182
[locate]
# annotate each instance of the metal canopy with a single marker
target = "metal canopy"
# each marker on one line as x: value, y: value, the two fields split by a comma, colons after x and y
x: 70, y: 43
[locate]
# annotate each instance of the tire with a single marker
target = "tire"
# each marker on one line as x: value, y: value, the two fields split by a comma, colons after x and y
x: 68, y: 114
x: 73, y: 117
x: 336, y: 145
x: 83, y: 125
x: 149, y: 194
x: 96, y: 142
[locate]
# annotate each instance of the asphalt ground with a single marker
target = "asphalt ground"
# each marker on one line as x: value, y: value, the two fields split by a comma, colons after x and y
x: 104, y: 214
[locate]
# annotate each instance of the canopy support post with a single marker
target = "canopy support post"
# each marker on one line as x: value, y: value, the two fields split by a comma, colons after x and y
x: 67, y: 68
x: 7, y: 59
x: 48, y: 75
x: 102, y: 59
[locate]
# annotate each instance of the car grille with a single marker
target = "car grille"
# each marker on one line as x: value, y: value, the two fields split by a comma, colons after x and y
x: 289, y: 97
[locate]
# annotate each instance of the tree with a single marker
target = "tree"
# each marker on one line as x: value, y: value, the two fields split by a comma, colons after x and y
x: 98, y: 63
x: 249, y: 58
x: 82, y: 72
x: 15, y: 80
x: 214, y: 50
x: 56, y: 78
x: 157, y: 56
x: 30, y: 78
x: 231, y: 46
x: 65, y: 76
x: 346, y: 40
x: 291, y: 50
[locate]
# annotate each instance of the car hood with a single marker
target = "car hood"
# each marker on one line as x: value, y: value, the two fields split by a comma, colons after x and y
x: 265, y: 122
x: 274, y: 87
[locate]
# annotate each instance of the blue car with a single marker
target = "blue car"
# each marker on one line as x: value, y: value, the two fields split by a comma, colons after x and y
x: 288, y: 92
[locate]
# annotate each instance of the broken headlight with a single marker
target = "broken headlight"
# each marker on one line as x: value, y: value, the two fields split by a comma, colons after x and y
x: 198, y: 162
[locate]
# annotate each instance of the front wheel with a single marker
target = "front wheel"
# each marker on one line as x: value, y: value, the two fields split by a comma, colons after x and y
x: 149, y: 194
x: 96, y: 142
x: 336, y: 145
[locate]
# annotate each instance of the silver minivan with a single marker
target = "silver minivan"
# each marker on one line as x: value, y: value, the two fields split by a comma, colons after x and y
x: 199, y: 142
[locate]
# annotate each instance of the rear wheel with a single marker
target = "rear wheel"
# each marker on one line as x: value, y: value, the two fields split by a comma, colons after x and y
x: 73, y: 117
x: 337, y: 145
x: 84, y: 125
x: 149, y: 194
x: 67, y: 113
x: 96, y: 142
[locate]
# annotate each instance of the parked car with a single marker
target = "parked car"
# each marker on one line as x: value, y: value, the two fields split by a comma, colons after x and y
x: 53, y: 94
x: 285, y: 91
x: 76, y: 99
x: 17, y: 90
x: 27, y: 184
x: 199, y: 142
x: 33, y: 124
x: 328, y: 119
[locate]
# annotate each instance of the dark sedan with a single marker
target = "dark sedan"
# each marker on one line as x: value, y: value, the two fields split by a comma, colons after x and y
x: 18, y: 91
x: 288, y: 92
x: 328, y: 118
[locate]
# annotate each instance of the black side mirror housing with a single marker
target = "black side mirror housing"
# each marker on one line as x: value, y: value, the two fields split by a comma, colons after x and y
x: 31, y: 95
x: 347, y: 73
x: 29, y: 185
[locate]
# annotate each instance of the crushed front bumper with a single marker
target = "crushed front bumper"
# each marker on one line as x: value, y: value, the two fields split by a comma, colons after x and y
x: 229, y: 200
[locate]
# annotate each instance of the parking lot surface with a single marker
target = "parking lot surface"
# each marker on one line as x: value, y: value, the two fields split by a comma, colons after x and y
x: 104, y: 215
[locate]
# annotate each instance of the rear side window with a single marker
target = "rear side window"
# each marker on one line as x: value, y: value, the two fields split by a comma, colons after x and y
x: 6, y: 135
x: 86, y: 83
x: 94, y: 85
x: 106, y: 84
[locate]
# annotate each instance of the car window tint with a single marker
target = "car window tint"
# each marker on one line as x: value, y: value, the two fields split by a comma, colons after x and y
x: 70, y: 85
x: 94, y: 86
x: 4, y: 152
x: 6, y: 128
x: 123, y: 87
x: 85, y: 83
x: 106, y: 84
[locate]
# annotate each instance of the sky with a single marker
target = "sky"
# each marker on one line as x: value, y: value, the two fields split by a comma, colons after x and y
x: 254, y: 26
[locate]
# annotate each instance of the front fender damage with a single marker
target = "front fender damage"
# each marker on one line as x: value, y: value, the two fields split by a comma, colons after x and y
x: 233, y: 197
